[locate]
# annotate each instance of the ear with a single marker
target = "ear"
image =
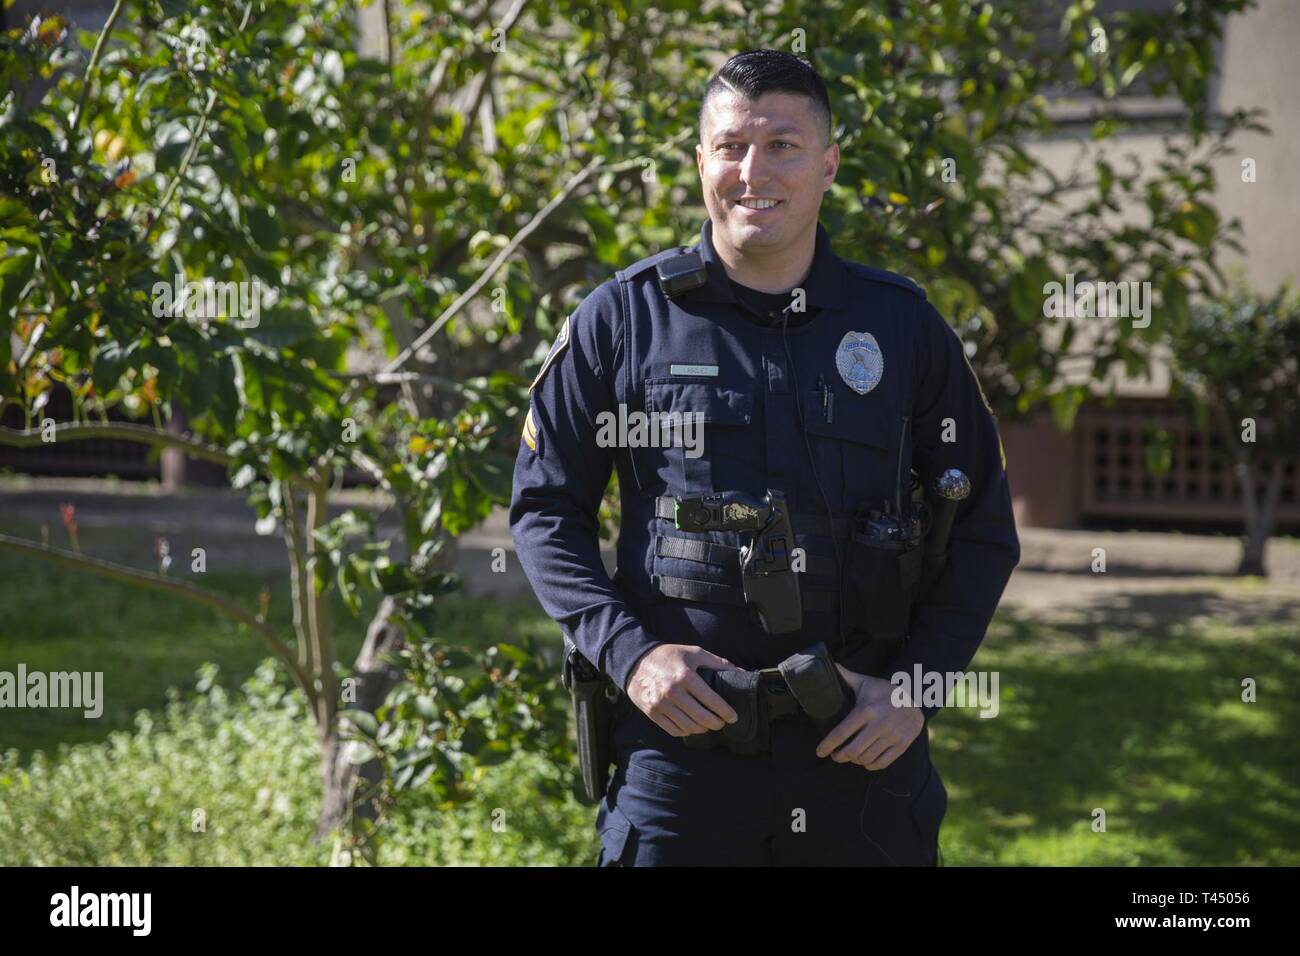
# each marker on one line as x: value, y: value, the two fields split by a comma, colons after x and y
x: 831, y: 167
x: 699, y: 159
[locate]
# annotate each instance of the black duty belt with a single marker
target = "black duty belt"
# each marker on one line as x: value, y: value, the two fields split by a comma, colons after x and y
x: 805, y: 683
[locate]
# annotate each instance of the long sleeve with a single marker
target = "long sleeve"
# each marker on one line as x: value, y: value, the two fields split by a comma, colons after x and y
x: 561, y: 472
x: 950, y: 622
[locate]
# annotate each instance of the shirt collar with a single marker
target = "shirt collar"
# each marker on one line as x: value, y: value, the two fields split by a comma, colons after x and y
x: 824, y: 286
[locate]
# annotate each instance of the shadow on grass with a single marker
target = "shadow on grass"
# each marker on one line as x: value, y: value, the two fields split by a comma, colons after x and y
x: 1237, y: 605
x: 1145, y: 722
x: 1114, y: 569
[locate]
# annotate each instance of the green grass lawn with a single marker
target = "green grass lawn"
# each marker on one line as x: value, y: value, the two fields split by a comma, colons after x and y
x: 1145, y: 723
x: 55, y: 620
x: 1149, y: 727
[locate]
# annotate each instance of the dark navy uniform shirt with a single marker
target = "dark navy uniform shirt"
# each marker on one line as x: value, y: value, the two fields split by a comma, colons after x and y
x: 769, y: 308
x: 772, y: 397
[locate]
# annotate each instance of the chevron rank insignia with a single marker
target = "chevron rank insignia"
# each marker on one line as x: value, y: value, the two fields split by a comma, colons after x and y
x: 530, y: 430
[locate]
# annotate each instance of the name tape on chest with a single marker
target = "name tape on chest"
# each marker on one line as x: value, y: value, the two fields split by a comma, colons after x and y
x: 709, y: 370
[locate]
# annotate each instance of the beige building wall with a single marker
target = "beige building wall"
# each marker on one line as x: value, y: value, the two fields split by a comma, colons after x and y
x: 1260, y: 65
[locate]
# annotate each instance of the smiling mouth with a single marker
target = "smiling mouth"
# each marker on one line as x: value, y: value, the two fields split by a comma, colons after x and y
x: 759, y: 204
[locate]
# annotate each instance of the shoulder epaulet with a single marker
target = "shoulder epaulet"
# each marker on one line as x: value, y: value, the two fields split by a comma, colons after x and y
x: 884, y: 275
x: 649, y: 262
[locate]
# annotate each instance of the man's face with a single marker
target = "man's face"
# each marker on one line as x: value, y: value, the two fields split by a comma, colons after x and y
x: 772, y: 148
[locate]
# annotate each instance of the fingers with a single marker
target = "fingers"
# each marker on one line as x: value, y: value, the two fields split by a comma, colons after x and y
x: 681, y: 715
x: 887, y: 756
x: 872, y: 750
x: 846, y: 728
x: 874, y: 747
x: 864, y: 741
x: 694, y: 701
x: 697, y: 692
x: 671, y: 720
x: 699, y: 657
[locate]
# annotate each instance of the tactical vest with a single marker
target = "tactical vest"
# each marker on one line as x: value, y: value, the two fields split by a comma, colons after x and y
x: 779, y: 410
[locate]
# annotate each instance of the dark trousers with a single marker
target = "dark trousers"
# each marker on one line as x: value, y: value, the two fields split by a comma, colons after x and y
x: 669, y: 805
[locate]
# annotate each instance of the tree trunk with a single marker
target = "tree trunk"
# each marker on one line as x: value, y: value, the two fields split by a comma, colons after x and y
x: 374, y: 679
x: 172, y: 463
x: 346, y: 785
x: 1260, y: 519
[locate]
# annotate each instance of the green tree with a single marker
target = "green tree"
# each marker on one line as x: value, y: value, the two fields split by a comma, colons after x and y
x: 1237, y: 364
x: 150, y: 164
x: 422, y: 220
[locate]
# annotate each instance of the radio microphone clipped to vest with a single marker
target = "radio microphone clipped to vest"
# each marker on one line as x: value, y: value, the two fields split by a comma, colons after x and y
x: 681, y: 274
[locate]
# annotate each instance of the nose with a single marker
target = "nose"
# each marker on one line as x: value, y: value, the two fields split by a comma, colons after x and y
x: 753, y: 168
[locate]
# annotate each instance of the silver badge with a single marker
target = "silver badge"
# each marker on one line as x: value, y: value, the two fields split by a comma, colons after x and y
x: 860, y: 361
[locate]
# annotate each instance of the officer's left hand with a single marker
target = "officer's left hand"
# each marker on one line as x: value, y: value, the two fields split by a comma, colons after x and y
x: 877, y: 731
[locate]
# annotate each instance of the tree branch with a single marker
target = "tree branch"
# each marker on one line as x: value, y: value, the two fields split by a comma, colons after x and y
x: 90, y: 68
x: 293, y: 545
x: 556, y: 201
x: 195, y: 139
x: 157, y: 582
x: 463, y: 299
x: 320, y: 622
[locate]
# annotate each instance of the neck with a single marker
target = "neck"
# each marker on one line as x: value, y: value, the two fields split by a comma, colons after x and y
x: 777, y: 271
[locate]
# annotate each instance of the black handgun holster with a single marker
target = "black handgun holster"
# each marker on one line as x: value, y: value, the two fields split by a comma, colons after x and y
x: 593, y: 713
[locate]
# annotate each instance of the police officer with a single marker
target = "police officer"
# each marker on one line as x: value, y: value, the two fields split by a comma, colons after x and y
x: 811, y: 376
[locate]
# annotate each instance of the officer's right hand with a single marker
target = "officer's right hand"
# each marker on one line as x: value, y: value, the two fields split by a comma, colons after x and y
x: 666, y: 688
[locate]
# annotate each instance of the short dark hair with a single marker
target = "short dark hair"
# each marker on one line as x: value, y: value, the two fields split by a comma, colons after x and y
x: 755, y: 72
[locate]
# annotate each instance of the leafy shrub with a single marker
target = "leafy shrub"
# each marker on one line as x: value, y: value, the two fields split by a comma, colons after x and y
x: 250, y: 762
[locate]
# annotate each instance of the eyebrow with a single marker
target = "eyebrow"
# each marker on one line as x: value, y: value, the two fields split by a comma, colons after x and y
x: 785, y: 130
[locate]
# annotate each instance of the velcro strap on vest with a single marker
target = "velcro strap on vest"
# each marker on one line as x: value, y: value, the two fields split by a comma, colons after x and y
x: 688, y: 589
x: 725, y: 556
x: 697, y: 549
x: 691, y: 590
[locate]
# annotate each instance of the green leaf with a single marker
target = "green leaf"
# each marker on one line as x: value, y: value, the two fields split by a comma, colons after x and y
x: 265, y: 227
x: 111, y: 362
x: 601, y: 223
x: 493, y: 753
x: 21, y: 235
x: 494, y: 475
x: 15, y: 272
x: 358, y: 752
x: 365, y: 722
x: 168, y: 157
